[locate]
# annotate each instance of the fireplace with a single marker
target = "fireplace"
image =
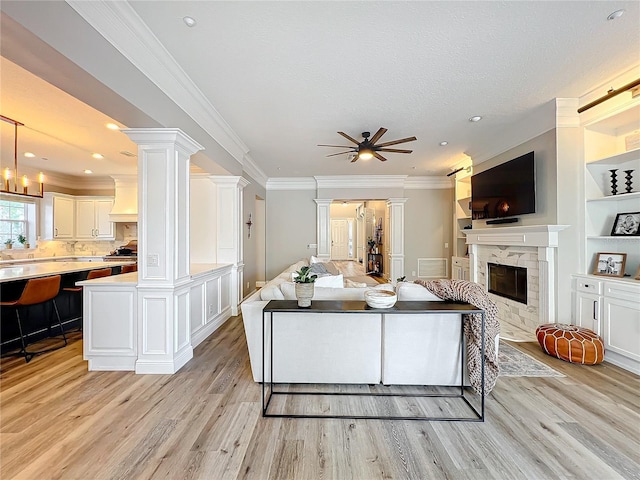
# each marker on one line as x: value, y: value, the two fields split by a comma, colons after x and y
x: 508, y: 281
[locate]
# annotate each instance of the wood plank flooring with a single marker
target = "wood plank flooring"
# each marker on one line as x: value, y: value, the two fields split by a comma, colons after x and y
x: 59, y: 421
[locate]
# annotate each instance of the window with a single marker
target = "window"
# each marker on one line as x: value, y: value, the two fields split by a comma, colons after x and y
x: 14, y: 220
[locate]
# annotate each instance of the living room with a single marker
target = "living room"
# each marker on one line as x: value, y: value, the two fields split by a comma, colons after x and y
x: 204, y: 421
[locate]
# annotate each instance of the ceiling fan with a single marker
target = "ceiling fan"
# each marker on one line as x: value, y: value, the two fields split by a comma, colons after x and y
x: 367, y: 148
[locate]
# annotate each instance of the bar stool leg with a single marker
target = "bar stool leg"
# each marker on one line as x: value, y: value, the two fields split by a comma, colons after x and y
x: 27, y: 356
x: 55, y: 307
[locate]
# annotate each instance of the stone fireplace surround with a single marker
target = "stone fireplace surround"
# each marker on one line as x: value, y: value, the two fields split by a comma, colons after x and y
x: 532, y: 247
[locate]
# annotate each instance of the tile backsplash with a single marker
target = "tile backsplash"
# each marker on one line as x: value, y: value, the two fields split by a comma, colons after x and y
x: 60, y: 248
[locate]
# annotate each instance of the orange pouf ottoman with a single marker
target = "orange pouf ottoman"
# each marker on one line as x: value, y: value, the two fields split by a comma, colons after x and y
x: 571, y: 343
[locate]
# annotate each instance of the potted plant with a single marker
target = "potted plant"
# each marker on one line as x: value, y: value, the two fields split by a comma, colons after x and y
x: 305, y: 286
x: 8, y: 243
x: 23, y: 241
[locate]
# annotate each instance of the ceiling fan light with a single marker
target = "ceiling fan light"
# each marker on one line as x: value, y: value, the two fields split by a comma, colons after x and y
x: 365, y: 154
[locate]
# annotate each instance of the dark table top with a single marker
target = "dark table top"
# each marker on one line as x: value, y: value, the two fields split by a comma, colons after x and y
x: 358, y: 306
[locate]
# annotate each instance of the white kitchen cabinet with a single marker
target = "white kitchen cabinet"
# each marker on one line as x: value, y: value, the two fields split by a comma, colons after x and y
x: 92, y: 218
x: 58, y: 216
x: 611, y: 308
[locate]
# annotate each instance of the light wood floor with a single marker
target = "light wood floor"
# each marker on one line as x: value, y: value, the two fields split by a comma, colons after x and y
x: 59, y: 421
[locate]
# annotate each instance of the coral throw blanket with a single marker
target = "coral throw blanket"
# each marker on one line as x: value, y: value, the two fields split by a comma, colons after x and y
x: 469, y: 292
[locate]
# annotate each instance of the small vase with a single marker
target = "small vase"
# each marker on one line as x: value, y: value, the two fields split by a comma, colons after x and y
x: 8, y: 246
x: 304, y: 294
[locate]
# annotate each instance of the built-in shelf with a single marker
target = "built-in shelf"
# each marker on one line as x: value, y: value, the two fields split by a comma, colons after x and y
x: 616, y: 198
x: 611, y: 237
x: 617, y: 159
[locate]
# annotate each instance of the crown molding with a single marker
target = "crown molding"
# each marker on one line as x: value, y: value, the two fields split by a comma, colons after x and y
x: 291, y: 183
x: 361, y: 181
x: 254, y: 171
x: 121, y: 26
x: 428, y: 183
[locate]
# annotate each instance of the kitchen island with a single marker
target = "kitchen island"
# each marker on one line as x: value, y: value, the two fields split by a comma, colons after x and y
x: 36, y: 318
x: 114, y: 336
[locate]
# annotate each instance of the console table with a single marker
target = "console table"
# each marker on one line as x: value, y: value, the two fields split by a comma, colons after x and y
x: 275, y: 307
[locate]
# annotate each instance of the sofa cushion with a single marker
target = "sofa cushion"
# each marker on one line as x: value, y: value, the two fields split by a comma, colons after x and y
x: 408, y: 291
x: 271, y: 292
x: 351, y: 284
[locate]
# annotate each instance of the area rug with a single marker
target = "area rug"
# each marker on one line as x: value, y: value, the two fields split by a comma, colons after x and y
x: 514, y: 363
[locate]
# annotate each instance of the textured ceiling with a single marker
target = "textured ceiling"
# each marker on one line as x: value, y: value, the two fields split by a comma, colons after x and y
x: 286, y: 76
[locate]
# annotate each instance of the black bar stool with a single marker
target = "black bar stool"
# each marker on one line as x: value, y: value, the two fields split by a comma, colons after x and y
x: 37, y: 291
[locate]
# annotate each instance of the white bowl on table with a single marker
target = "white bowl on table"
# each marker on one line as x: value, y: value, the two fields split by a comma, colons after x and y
x: 380, y: 298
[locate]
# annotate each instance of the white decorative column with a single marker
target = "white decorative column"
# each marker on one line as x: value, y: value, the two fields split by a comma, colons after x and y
x: 396, y: 239
x: 164, y: 339
x: 229, y: 243
x: 546, y: 283
x: 323, y: 217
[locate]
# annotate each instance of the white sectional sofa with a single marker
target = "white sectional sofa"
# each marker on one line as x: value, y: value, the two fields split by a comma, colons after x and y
x: 401, y: 349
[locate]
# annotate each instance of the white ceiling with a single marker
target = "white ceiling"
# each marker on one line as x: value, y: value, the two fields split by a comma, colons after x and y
x: 286, y: 76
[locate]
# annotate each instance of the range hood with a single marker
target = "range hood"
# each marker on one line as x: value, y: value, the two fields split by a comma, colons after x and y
x: 125, y: 205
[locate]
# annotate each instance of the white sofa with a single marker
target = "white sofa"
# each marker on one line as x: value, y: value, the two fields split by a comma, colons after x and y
x: 402, y: 349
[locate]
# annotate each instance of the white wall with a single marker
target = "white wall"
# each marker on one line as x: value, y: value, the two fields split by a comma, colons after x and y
x: 291, y: 226
x: 428, y: 227
x: 253, y: 266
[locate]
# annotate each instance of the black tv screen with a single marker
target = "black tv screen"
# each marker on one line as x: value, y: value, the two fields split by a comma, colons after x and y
x: 505, y: 190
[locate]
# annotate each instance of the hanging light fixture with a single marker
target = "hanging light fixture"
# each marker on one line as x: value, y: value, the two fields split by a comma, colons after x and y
x: 11, y: 182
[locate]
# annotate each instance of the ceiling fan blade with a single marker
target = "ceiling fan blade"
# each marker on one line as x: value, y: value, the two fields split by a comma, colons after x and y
x: 340, y: 146
x: 349, y: 138
x: 379, y: 157
x: 334, y: 154
x: 355, y: 158
x: 394, y: 150
x: 395, y: 142
x: 381, y: 131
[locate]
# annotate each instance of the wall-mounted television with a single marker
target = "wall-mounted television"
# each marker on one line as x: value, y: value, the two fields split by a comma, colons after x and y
x: 506, y: 190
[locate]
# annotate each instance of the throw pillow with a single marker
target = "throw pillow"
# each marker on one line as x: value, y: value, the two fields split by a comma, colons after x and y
x: 332, y: 281
x: 318, y: 268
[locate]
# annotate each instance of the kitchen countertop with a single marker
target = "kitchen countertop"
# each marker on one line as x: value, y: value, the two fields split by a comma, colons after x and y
x: 196, y: 270
x: 44, y: 269
x: 51, y: 259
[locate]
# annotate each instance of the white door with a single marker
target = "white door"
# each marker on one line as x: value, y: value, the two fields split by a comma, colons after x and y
x: 339, y: 239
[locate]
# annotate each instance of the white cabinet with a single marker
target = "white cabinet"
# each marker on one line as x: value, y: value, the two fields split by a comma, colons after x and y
x: 611, y: 308
x: 460, y: 268
x: 58, y: 217
x: 92, y: 218
x: 588, y: 304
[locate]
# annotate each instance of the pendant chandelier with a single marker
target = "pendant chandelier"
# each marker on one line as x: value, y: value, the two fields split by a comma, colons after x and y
x: 12, y: 183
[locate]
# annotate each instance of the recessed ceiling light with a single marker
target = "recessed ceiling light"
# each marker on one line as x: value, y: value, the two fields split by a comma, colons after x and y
x: 443, y: 143
x: 88, y: 172
x: 29, y: 155
x: 475, y: 118
x: 616, y: 14
x: 112, y: 126
x: 189, y: 21
x: 97, y: 156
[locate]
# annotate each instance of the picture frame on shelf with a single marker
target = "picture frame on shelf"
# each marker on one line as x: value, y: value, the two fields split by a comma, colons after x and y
x: 610, y: 264
x: 637, y: 277
x: 626, y: 224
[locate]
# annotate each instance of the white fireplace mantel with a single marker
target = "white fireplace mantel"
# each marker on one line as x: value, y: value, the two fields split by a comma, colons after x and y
x: 544, y: 238
x: 530, y: 236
